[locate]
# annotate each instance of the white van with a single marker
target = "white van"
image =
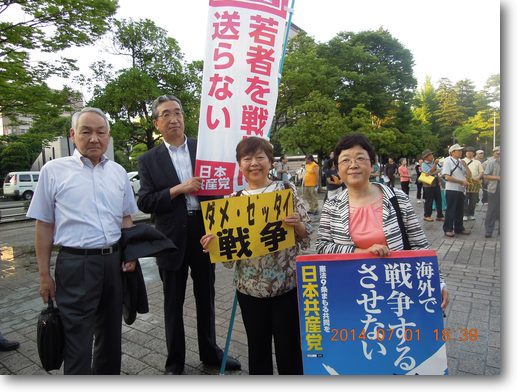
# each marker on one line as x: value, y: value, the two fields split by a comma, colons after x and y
x: 21, y: 184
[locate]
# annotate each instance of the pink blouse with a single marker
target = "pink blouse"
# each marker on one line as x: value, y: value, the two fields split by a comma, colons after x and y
x: 366, y: 225
x: 404, y: 170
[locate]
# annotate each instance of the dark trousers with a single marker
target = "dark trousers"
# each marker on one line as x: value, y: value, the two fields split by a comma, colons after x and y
x: 392, y: 182
x: 202, y: 272
x: 419, y: 186
x: 405, y: 187
x: 469, y: 204
x: 89, y: 296
x: 267, y: 318
x: 454, y: 213
x: 431, y: 194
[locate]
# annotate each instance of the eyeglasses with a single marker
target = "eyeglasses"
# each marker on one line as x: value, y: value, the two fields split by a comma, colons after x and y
x: 168, y: 116
x: 359, y: 161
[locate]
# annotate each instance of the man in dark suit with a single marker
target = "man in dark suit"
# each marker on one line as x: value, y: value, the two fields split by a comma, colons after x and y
x: 166, y: 184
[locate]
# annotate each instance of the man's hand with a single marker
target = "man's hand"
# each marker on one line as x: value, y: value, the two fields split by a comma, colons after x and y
x: 129, y: 266
x: 47, y: 288
x: 193, y: 184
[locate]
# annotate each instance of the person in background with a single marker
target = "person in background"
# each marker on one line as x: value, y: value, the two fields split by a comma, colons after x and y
x: 419, y: 185
x: 454, y: 171
x: 493, y: 175
x: 311, y: 184
x: 405, y: 177
x: 334, y: 183
x: 432, y: 193
x: 472, y: 198
x: 6, y: 345
x: 282, y: 169
x: 376, y: 174
x: 266, y: 285
x: 391, y: 170
x: 480, y: 156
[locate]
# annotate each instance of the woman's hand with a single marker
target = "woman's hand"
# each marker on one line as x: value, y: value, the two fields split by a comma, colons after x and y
x: 205, y: 241
x: 296, y: 221
x: 377, y: 249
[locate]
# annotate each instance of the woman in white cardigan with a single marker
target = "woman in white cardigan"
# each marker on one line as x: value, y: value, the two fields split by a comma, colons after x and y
x: 362, y: 218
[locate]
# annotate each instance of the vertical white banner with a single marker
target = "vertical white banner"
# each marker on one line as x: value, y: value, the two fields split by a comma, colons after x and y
x: 240, y: 85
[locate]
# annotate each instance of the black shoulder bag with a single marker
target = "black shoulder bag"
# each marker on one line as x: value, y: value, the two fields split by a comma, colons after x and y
x: 405, y: 240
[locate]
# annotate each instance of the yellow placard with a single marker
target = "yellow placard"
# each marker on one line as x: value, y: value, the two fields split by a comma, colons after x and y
x: 248, y: 226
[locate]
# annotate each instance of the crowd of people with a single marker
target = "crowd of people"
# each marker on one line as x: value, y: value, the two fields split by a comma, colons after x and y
x: 82, y: 203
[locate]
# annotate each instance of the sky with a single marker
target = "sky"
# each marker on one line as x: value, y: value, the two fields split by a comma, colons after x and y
x: 456, y: 39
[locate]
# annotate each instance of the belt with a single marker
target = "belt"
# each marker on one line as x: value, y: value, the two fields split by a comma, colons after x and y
x: 92, y: 252
x: 193, y: 212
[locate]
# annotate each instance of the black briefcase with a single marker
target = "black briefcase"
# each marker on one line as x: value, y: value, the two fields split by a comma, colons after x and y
x: 51, y: 338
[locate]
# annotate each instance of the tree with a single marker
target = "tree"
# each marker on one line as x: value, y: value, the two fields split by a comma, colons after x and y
x: 15, y: 157
x: 47, y: 26
x: 425, y: 105
x: 157, y: 68
x: 303, y: 74
x: 318, y: 127
x: 377, y: 70
x: 479, y: 130
x: 450, y: 115
x: 466, y: 97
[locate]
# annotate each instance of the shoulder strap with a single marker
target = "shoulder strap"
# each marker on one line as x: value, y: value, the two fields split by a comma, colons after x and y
x: 396, y: 206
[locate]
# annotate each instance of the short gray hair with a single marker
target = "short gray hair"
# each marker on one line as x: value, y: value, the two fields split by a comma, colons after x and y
x: 75, y: 117
x: 161, y: 99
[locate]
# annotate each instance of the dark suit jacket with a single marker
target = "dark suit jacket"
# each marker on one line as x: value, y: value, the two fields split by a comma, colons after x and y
x: 135, y: 242
x: 157, y: 176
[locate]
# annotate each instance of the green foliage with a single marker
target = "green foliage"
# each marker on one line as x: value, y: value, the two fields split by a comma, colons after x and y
x: 157, y: 68
x: 47, y: 26
x: 318, y: 128
x: 138, y: 150
x: 15, y: 157
x: 377, y: 70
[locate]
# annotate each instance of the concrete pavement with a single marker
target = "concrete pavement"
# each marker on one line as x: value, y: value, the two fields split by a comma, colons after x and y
x: 470, y: 264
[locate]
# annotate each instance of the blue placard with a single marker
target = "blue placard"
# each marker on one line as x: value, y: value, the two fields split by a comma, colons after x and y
x: 362, y: 314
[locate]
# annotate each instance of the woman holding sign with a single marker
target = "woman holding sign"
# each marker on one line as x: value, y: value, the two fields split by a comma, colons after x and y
x: 363, y: 218
x: 266, y: 285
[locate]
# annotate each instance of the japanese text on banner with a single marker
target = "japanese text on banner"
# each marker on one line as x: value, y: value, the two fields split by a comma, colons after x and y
x: 371, y: 316
x: 240, y: 85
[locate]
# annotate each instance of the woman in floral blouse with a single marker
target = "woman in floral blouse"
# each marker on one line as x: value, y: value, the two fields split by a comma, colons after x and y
x: 266, y: 285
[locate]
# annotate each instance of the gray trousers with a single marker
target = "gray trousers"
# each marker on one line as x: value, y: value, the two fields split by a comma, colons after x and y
x: 493, y: 211
x: 89, y: 296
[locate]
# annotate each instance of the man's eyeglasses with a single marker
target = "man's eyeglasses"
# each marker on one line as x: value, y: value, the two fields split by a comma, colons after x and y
x: 168, y: 116
x: 359, y: 161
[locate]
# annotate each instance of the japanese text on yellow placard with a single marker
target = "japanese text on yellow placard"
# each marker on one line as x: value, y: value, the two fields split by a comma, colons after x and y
x: 248, y: 226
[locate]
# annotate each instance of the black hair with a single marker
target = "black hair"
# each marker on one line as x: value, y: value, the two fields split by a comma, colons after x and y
x: 350, y: 141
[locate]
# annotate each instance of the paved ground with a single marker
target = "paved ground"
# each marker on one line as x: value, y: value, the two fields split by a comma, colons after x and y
x: 470, y: 264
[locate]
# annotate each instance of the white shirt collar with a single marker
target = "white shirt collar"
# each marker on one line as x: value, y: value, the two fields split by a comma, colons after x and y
x: 82, y: 160
x: 184, y: 145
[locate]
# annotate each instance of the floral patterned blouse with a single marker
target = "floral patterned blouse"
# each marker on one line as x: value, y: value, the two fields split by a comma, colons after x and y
x: 273, y: 274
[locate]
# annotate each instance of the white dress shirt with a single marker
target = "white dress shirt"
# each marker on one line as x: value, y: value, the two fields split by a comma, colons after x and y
x: 85, y: 202
x: 180, y: 157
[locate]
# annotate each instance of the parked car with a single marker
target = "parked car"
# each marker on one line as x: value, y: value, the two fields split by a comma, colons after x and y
x: 134, y: 180
x: 21, y: 184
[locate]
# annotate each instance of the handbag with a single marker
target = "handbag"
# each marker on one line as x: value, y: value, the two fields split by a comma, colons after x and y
x: 50, y: 338
x: 403, y: 233
x: 427, y: 178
